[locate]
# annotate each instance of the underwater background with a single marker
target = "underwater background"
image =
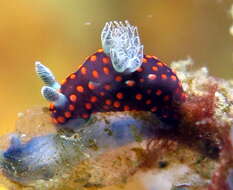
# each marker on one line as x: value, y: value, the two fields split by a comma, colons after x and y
x: 62, y: 33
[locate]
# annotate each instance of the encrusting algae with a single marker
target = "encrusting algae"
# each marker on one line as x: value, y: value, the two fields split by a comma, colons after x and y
x: 111, y: 147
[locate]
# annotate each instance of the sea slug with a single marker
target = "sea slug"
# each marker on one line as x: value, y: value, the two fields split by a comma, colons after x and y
x: 118, y: 77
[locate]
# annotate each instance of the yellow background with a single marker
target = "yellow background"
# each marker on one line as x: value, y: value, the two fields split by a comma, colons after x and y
x: 61, y: 33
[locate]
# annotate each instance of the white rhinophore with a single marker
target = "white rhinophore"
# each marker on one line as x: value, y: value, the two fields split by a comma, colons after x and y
x: 49, y: 92
x: 54, y: 96
x: 46, y: 75
x: 121, y: 42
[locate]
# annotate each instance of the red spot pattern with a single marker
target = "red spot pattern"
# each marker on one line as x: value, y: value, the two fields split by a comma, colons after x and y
x: 97, y: 87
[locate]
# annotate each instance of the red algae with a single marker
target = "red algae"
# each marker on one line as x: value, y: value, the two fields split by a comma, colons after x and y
x: 207, y: 120
x: 199, y: 110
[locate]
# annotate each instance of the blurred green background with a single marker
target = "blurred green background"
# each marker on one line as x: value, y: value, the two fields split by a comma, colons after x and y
x: 62, y: 33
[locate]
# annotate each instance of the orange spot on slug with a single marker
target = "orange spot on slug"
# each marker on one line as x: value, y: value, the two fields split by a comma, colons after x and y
x: 160, y: 64
x: 73, y: 98
x: 85, y: 115
x: 138, y: 96
x: 100, y: 50
x: 148, y: 56
x: 140, y: 69
x: 144, y: 60
x: 164, y: 76
x: 71, y: 107
x: 120, y: 95
x: 154, y: 109
x: 108, y: 102
x: 93, y: 99
x: 73, y: 76
x: 173, y: 77
x: 107, y: 87
x: 93, y: 58
x: 84, y: 70
x: 63, y: 81
x: 116, y: 104
x: 126, y: 108
x: 152, y: 76
x: 88, y: 106
x: 141, y: 80
x: 118, y: 78
x: 95, y: 74
x: 154, y: 68
x: 158, y: 92
x: 106, y: 60
x: 80, y: 88
x: 106, y: 70
x: 67, y: 114
x: 61, y: 119
x: 91, y: 85
x: 148, y: 102
x: 130, y: 83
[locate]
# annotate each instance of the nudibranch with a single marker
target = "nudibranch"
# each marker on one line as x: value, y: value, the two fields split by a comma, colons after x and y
x: 118, y: 77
